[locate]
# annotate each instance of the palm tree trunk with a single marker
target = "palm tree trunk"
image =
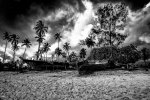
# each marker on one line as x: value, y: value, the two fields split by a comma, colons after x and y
x: 14, y: 56
x: 24, y: 52
x: 5, y: 51
x: 38, y: 50
x: 58, y: 48
x: 46, y: 56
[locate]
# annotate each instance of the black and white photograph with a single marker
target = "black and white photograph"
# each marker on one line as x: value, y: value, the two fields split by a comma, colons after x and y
x: 74, y: 50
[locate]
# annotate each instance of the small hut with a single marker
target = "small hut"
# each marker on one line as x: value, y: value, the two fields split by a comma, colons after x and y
x: 99, y: 55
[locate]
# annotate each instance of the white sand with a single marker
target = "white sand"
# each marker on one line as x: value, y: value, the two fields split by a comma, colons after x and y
x: 67, y: 85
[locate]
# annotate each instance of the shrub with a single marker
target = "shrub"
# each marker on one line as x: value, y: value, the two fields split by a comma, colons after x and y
x: 90, y: 68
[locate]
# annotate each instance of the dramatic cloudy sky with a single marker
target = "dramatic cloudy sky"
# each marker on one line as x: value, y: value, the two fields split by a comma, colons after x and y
x: 73, y: 18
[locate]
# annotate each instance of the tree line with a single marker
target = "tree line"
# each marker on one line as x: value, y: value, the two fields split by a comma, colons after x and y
x: 110, y: 20
x: 41, y: 31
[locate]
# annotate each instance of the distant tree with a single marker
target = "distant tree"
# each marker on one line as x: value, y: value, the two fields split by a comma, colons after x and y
x: 82, y: 43
x: 66, y: 47
x: 52, y: 56
x: 14, y: 42
x: 41, y: 29
x: 7, y: 38
x: 90, y: 42
x: 27, y: 44
x: 58, y: 37
x: 58, y: 52
x: 145, y: 54
x: 72, y: 56
x: 46, y: 48
x: 82, y: 53
x: 15, y: 48
x: 64, y: 55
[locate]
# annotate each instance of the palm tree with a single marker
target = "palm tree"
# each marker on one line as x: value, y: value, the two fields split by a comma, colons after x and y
x: 52, y: 56
x: 46, y: 48
x: 82, y: 43
x: 14, y: 42
x: 82, y: 53
x: 58, y: 52
x: 15, y: 47
x: 27, y: 43
x: 66, y: 47
x: 58, y: 37
x: 8, y: 39
x: 41, y: 29
x: 40, y: 39
x: 41, y: 52
x: 64, y: 55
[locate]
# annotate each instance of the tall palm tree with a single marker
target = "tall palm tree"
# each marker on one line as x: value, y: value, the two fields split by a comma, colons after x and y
x: 66, y: 47
x: 27, y: 44
x: 7, y: 38
x: 40, y: 38
x: 41, y: 29
x: 58, y: 52
x: 82, y: 53
x: 15, y: 48
x: 46, y: 48
x: 58, y: 37
x: 14, y: 42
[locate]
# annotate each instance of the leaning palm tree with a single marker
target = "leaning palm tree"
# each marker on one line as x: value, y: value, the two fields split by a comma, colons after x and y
x: 58, y: 52
x: 41, y: 29
x: 7, y: 38
x: 58, y: 37
x: 66, y: 47
x: 46, y: 48
x: 14, y: 42
x: 27, y: 44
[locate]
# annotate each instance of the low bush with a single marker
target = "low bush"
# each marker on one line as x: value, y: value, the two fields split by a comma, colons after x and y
x: 90, y: 68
